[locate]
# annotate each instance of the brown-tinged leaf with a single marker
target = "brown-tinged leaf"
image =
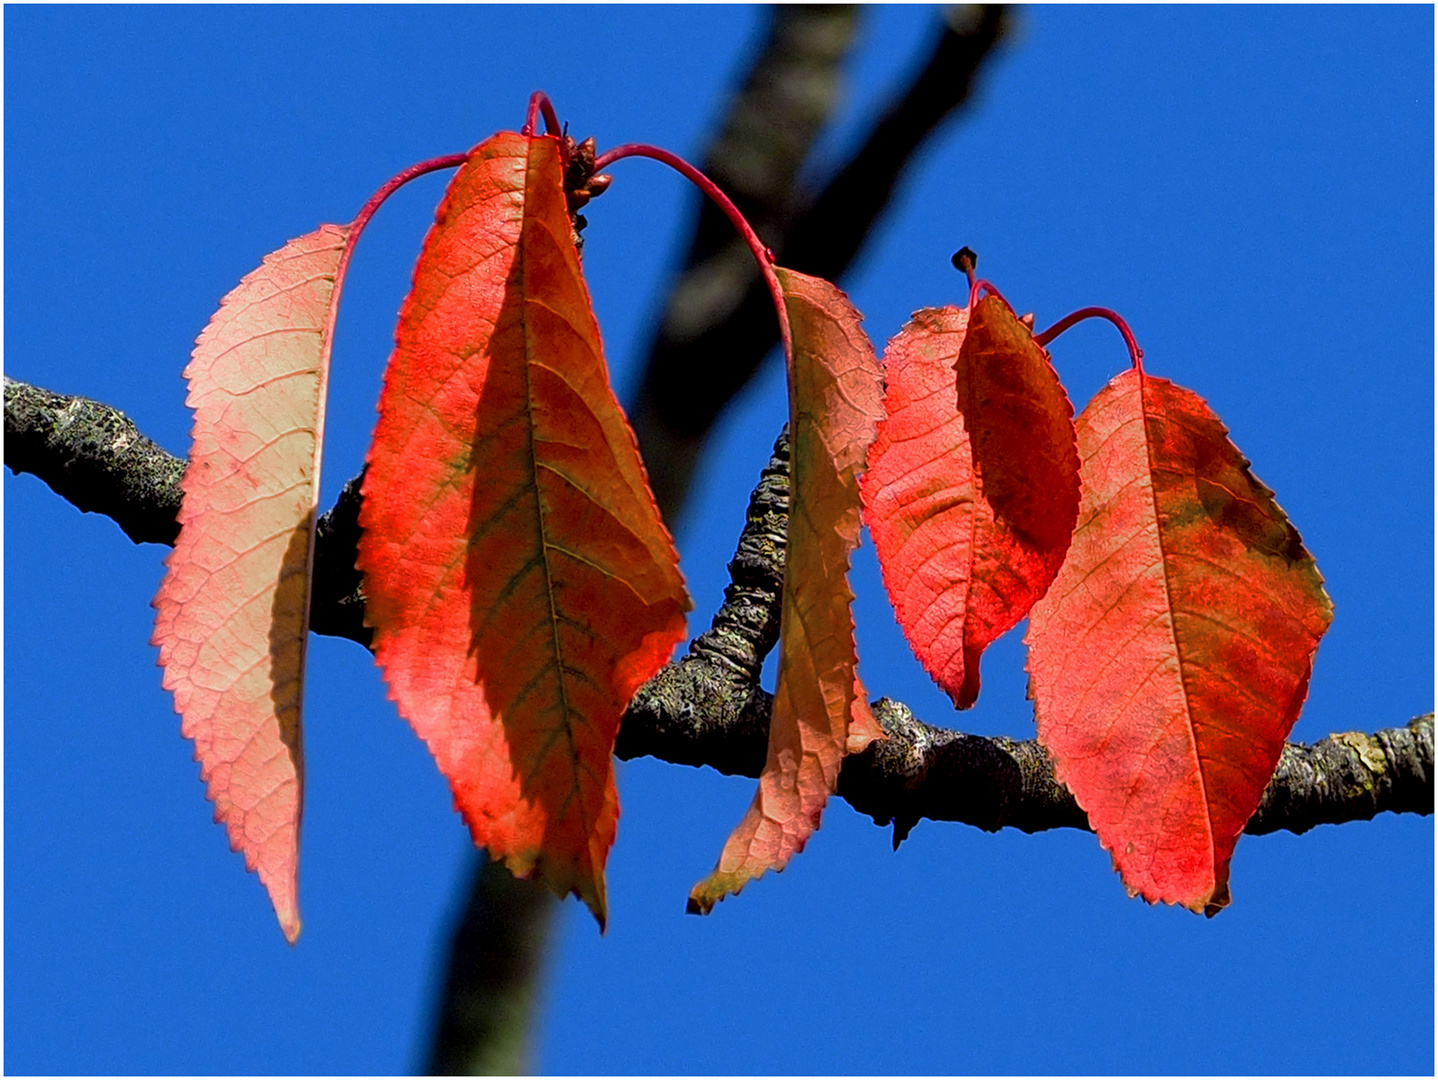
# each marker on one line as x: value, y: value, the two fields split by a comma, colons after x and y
x: 820, y: 709
x: 518, y: 578
x: 1170, y: 659
x: 232, y: 615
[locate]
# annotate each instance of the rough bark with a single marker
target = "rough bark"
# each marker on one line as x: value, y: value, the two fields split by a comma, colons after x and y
x: 95, y: 458
x: 708, y: 707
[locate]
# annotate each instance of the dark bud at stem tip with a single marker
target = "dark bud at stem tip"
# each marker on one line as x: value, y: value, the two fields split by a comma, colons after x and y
x: 580, y: 183
x: 965, y: 260
x: 578, y: 161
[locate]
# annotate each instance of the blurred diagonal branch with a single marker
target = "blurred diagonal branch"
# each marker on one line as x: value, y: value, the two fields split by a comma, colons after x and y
x: 719, y: 323
x: 484, y: 1009
x: 708, y: 707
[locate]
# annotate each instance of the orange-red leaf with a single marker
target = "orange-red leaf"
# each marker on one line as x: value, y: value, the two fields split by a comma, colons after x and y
x: 1170, y: 658
x: 232, y: 615
x: 820, y: 709
x: 971, y: 498
x: 518, y: 578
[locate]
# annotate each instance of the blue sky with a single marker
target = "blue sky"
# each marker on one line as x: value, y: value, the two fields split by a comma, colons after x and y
x: 1252, y: 188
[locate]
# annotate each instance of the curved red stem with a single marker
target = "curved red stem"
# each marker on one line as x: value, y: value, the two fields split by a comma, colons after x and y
x: 399, y: 180
x: 977, y: 285
x: 539, y: 103
x: 449, y: 161
x: 762, y: 255
x: 1135, y: 354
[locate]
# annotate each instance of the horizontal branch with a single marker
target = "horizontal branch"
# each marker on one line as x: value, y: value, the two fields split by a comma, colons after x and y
x: 708, y: 707
x: 95, y: 458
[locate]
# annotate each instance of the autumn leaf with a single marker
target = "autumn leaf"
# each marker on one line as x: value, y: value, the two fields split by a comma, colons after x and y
x: 1170, y: 658
x: 519, y: 581
x: 820, y: 708
x: 972, y: 490
x: 232, y: 614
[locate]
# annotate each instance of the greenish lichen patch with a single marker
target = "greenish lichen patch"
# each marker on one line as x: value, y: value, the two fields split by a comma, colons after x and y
x: 1369, y: 752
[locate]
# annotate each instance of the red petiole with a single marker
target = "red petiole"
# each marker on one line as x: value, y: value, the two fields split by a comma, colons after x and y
x: 1134, y: 352
x: 978, y: 285
x: 539, y: 103
x: 762, y: 255
x: 449, y: 161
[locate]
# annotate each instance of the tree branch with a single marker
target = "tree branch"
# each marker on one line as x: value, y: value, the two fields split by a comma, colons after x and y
x: 483, y: 1011
x: 94, y: 458
x: 719, y: 323
x: 708, y: 708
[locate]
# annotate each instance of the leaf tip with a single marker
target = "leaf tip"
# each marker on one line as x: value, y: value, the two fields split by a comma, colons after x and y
x: 968, y: 692
x: 280, y: 884
x: 863, y: 728
x: 717, y: 886
x: 1218, y: 901
x: 598, y: 906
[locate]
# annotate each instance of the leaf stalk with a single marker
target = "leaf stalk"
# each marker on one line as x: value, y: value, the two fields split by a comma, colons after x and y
x: 762, y: 255
x: 539, y: 103
x: 448, y: 161
x: 979, y: 285
x: 1135, y: 354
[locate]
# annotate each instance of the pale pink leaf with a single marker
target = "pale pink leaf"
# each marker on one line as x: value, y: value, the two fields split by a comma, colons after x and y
x: 232, y: 615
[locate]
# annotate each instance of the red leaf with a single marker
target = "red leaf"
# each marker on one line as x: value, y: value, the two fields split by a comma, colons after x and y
x: 518, y: 578
x: 820, y: 709
x: 232, y: 615
x: 971, y: 500
x: 1170, y: 659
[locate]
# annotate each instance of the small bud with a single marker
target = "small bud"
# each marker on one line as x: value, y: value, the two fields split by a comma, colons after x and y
x: 584, y: 152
